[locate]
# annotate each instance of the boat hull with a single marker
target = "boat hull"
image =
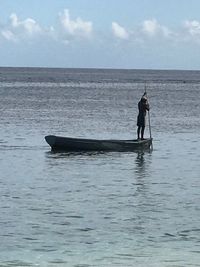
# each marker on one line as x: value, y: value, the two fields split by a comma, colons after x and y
x: 58, y: 143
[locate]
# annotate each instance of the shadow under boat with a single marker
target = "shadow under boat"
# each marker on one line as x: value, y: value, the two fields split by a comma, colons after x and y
x: 59, y: 143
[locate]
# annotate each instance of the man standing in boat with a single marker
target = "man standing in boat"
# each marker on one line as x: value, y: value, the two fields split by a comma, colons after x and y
x: 143, y: 106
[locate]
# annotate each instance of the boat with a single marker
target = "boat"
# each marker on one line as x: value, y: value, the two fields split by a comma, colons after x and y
x: 58, y: 143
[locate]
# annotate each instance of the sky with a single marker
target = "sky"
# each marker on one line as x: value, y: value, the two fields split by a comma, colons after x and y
x: 125, y: 34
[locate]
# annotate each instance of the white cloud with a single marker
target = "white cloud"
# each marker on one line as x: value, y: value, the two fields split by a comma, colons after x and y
x: 16, y: 29
x: 14, y: 20
x: 119, y: 31
x: 153, y: 28
x: 68, y: 29
x: 27, y: 26
x: 150, y: 27
x: 192, y: 27
x: 8, y: 35
x: 76, y: 27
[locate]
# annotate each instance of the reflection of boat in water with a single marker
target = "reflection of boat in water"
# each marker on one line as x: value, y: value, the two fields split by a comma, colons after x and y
x: 81, y: 144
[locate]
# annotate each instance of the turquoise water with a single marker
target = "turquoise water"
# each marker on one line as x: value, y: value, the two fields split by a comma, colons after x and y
x: 98, y: 209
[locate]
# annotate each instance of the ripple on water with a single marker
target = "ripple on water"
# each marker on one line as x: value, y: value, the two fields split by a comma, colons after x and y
x: 16, y: 263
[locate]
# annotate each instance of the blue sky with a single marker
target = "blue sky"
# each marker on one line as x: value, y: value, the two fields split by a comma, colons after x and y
x: 133, y: 34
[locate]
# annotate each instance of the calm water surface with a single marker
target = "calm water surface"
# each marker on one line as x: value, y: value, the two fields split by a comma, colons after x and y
x: 99, y: 209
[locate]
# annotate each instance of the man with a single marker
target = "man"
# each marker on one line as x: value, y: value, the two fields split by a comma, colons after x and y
x: 143, y: 106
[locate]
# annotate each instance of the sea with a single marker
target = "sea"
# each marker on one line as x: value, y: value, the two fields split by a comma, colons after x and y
x: 138, y: 209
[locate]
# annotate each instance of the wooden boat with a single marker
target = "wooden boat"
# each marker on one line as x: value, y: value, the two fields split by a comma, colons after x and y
x: 78, y: 144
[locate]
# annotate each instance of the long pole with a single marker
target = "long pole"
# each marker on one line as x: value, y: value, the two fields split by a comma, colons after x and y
x: 148, y: 116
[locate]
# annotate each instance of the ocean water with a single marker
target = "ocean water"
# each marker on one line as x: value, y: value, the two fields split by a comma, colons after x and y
x: 99, y: 209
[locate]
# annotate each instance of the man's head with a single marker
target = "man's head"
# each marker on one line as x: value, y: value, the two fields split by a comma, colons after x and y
x: 144, y: 99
